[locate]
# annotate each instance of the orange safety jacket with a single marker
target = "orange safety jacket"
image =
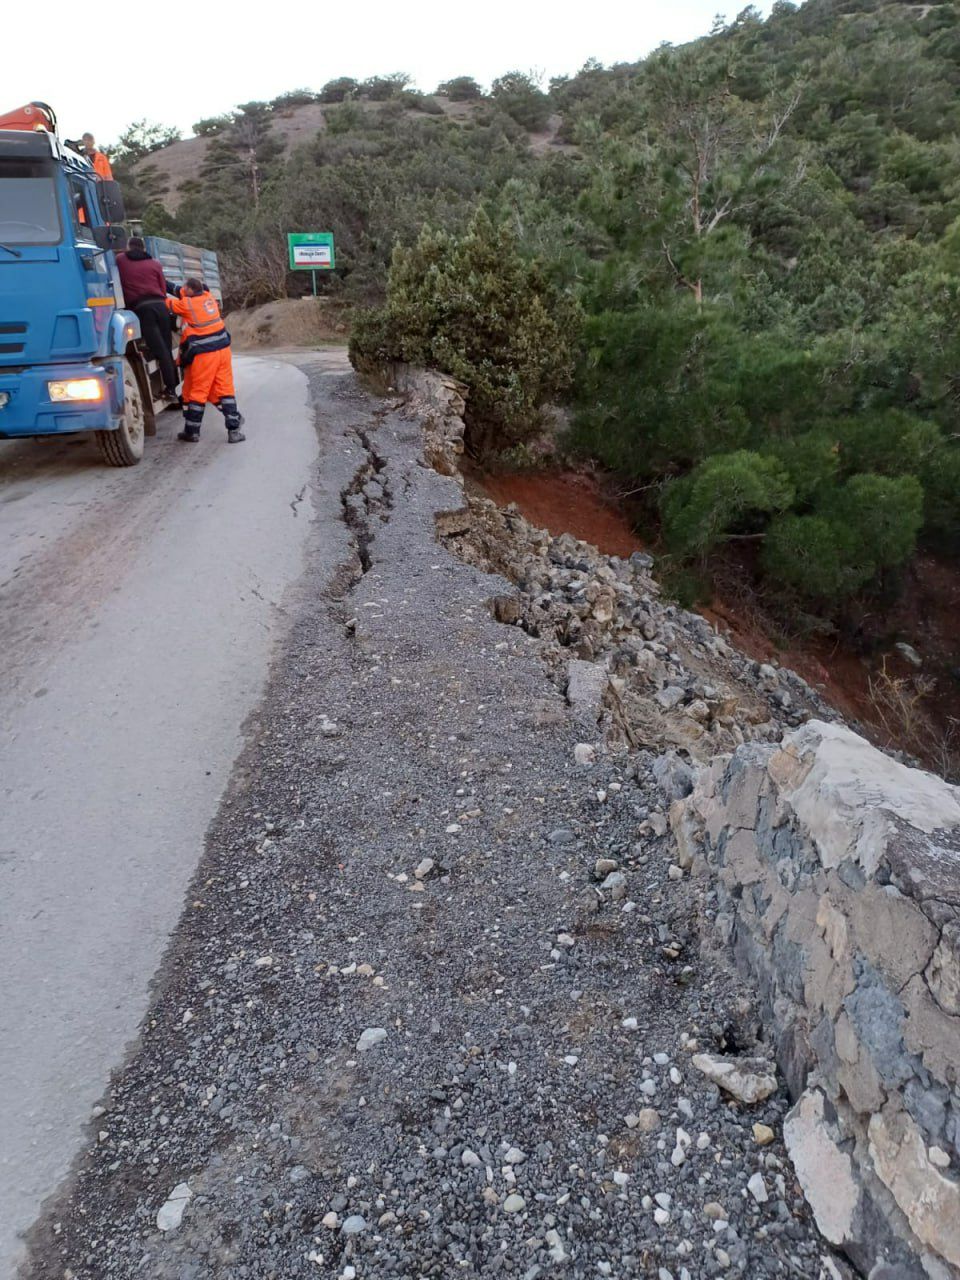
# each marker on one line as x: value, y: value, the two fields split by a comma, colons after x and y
x: 200, y: 315
x: 101, y: 166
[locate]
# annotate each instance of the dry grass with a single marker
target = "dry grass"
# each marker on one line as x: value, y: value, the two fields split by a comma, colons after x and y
x: 901, y: 709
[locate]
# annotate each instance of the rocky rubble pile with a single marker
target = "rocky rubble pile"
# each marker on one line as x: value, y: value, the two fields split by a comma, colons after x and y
x: 666, y: 677
x: 836, y: 875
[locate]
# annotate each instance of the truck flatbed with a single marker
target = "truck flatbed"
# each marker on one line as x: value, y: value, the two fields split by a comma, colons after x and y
x: 179, y: 261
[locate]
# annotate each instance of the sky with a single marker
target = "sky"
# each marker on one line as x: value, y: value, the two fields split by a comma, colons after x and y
x: 202, y: 59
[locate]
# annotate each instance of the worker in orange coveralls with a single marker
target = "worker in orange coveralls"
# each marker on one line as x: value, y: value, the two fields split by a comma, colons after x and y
x: 101, y: 165
x: 205, y: 361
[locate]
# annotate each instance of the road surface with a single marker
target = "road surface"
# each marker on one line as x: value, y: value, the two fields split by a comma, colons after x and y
x: 138, y: 613
x: 404, y: 1032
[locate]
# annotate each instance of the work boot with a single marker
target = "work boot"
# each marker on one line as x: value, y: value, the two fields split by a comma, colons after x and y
x: 190, y: 437
x: 235, y: 436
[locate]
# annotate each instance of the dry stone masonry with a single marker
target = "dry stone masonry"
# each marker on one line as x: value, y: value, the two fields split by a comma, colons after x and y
x: 837, y: 879
x: 437, y: 402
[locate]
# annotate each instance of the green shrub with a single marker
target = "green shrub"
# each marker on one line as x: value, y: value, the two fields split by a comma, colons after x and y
x: 460, y: 89
x: 891, y: 443
x: 294, y: 98
x: 883, y: 515
x: 940, y: 476
x: 212, y: 125
x: 723, y: 494
x: 380, y: 88
x: 522, y: 99
x: 414, y: 101
x: 815, y: 556
x: 811, y: 461
x: 654, y: 389
x: 339, y: 90
x: 474, y: 307
x: 869, y: 524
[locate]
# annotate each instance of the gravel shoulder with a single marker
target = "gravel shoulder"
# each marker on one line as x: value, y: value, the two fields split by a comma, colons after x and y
x: 409, y: 1025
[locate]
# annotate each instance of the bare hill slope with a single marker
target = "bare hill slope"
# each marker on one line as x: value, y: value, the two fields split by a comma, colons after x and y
x: 287, y: 323
x: 182, y: 161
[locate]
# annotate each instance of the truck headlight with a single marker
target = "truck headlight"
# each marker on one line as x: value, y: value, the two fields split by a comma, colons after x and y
x: 76, y: 389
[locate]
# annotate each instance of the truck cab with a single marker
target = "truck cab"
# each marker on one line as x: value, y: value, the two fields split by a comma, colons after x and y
x: 69, y: 354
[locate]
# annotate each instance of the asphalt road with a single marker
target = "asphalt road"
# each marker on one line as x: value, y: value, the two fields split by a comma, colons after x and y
x: 139, y: 611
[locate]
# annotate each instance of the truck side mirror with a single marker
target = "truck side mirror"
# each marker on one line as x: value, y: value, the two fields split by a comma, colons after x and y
x: 111, y: 201
x: 112, y: 237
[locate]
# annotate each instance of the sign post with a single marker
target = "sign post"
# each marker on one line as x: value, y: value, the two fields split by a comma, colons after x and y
x: 311, y: 251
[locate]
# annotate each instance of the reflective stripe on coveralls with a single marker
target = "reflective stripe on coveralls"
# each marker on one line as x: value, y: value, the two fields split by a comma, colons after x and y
x: 193, y: 415
x: 209, y: 378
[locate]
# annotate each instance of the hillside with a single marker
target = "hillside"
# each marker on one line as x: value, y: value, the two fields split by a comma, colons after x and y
x: 167, y: 170
x: 165, y: 176
x: 759, y: 234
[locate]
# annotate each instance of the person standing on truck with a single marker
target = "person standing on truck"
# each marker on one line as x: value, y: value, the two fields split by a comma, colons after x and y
x: 101, y: 164
x: 145, y: 292
x: 206, y: 361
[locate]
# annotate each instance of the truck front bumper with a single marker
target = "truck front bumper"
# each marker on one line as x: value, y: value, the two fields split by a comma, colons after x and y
x: 26, y: 408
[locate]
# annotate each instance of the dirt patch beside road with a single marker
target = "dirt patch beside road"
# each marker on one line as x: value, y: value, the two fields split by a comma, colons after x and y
x: 287, y: 324
x: 565, y: 502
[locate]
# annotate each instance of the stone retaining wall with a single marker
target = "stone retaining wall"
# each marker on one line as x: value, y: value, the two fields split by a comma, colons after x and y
x: 438, y: 402
x: 837, y: 874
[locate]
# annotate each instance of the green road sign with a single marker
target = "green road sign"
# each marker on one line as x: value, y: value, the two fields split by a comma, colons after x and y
x: 311, y: 250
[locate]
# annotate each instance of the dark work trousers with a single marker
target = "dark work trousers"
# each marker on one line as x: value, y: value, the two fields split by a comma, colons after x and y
x: 157, y: 329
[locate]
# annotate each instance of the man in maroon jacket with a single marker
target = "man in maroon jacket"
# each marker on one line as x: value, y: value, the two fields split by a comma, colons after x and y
x: 145, y: 293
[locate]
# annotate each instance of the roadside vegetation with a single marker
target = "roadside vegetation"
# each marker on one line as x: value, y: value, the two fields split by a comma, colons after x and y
x: 476, y: 307
x: 741, y: 255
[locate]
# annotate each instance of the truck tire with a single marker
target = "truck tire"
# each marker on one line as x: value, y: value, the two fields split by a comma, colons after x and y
x: 124, y: 447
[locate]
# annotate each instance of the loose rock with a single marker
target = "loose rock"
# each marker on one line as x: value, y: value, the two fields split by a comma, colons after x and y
x: 371, y: 1037
x: 648, y: 1121
x: 170, y: 1213
x: 758, y: 1188
x: 749, y: 1080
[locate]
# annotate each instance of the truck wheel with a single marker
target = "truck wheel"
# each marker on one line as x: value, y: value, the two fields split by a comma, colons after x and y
x: 124, y: 447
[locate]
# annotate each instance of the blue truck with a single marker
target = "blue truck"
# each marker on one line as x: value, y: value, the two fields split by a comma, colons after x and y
x: 71, y: 355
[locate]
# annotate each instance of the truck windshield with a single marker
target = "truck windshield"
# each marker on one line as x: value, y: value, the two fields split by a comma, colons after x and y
x: 28, y: 205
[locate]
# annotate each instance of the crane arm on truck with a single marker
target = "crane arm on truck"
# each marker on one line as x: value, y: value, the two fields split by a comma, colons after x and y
x: 34, y: 116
